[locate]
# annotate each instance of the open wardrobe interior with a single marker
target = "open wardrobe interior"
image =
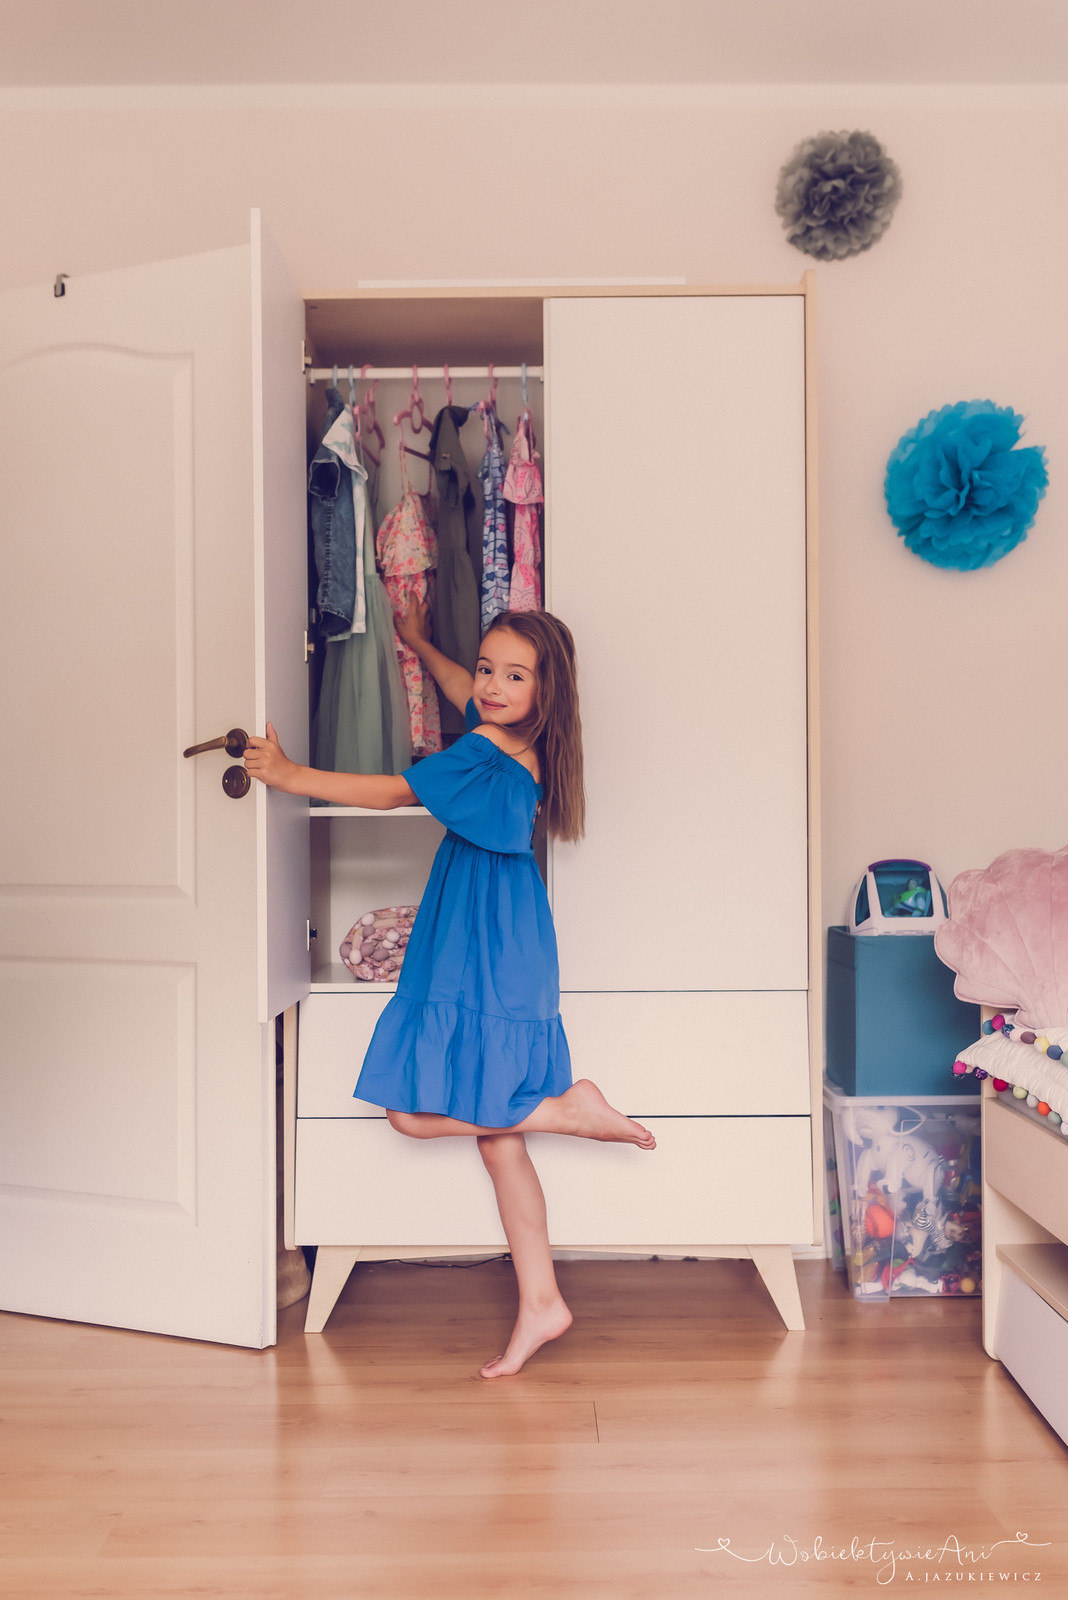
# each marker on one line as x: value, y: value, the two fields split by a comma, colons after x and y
x: 445, y: 409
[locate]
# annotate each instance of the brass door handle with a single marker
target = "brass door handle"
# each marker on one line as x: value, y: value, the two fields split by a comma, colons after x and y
x: 234, y: 743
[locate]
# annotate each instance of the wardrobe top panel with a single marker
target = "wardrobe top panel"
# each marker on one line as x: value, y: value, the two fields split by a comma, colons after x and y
x: 467, y: 327
x: 463, y: 330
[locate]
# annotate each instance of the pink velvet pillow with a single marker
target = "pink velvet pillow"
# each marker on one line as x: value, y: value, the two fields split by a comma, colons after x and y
x: 1007, y: 936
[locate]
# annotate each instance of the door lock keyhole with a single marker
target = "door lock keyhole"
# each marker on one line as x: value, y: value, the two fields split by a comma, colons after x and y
x: 236, y: 782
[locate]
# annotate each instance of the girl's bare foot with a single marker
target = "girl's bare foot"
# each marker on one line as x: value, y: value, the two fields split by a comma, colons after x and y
x: 535, y: 1326
x: 586, y: 1112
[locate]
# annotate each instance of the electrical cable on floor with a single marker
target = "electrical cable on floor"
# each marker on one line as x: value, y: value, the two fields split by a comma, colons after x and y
x: 482, y: 1262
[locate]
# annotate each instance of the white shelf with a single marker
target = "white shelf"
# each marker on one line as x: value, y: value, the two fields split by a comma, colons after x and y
x: 337, y: 979
x: 367, y: 811
x: 1044, y: 1267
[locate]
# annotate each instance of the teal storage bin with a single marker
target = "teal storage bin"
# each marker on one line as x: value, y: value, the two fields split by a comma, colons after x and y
x: 894, y: 1025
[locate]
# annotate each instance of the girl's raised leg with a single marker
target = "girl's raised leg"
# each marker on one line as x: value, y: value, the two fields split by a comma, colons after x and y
x: 581, y: 1110
x: 543, y: 1315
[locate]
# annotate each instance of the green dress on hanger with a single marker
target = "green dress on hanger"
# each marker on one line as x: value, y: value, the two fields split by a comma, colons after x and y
x: 362, y: 723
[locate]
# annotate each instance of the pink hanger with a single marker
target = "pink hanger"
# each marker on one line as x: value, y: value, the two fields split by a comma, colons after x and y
x: 485, y: 411
x: 485, y: 407
x: 359, y: 412
x: 368, y: 407
x: 488, y: 408
x: 415, y: 404
x: 525, y: 424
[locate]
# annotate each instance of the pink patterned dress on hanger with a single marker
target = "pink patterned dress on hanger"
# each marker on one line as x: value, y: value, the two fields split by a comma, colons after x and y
x: 523, y: 486
x: 407, y: 552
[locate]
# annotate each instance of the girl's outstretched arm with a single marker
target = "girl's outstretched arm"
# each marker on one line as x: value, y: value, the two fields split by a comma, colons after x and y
x: 380, y: 791
x: 454, y: 681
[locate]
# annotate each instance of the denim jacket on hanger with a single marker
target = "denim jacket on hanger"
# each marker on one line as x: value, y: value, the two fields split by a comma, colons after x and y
x: 333, y: 527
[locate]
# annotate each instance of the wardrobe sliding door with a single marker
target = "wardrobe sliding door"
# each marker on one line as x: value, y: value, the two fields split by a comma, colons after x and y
x: 676, y: 551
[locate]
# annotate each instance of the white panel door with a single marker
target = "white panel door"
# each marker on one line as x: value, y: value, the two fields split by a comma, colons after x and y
x: 137, y: 1087
x: 676, y: 554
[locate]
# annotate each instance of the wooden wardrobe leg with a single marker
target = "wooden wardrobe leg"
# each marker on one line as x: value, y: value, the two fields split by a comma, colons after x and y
x: 775, y: 1263
x: 333, y: 1263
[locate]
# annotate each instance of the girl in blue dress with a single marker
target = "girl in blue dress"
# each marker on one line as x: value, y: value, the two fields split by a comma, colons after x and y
x: 471, y: 1044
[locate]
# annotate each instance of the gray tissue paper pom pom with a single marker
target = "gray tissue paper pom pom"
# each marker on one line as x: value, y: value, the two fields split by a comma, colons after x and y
x: 836, y: 194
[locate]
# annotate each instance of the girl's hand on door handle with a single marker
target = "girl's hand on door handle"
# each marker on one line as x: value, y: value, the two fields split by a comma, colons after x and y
x: 266, y: 760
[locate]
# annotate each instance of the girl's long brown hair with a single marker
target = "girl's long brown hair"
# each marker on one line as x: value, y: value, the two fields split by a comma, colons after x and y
x: 556, y: 727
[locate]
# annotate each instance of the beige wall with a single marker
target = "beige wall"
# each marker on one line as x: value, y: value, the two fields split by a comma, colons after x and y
x: 943, y: 693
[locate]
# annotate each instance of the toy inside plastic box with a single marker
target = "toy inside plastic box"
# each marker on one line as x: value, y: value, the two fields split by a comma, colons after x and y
x: 909, y: 1188
x: 899, y: 895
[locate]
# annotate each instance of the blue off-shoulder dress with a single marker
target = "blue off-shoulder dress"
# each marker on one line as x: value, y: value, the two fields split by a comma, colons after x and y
x: 474, y: 1029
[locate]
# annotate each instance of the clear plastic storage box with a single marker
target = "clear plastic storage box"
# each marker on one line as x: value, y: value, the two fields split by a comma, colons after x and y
x: 909, y: 1188
x: 832, y: 1200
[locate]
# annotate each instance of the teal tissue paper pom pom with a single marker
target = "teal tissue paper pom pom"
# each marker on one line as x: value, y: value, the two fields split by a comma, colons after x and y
x: 957, y: 491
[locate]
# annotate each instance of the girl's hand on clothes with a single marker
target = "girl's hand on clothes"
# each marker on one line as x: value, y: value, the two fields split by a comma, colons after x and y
x: 413, y: 625
x: 265, y: 759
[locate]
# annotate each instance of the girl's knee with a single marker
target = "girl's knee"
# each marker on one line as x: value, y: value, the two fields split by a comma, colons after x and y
x: 499, y: 1149
x: 406, y: 1122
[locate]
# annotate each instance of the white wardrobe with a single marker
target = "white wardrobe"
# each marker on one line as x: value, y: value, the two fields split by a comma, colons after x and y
x: 679, y: 548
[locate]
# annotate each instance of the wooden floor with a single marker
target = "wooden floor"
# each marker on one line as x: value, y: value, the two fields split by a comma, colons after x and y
x: 373, y: 1461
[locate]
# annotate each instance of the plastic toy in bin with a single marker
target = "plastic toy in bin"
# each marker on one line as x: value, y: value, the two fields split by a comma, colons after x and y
x: 897, y: 896
x: 910, y: 1194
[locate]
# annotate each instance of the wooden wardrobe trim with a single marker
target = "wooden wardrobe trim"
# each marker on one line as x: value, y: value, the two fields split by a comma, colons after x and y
x: 564, y: 291
x: 289, y: 1123
x: 815, y: 813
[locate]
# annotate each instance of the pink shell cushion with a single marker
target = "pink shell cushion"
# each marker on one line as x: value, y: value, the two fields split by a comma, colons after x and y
x: 1007, y: 936
x: 373, y: 948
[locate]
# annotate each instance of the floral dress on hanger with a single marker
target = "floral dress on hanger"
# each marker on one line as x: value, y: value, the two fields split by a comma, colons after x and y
x: 407, y: 553
x: 523, y: 486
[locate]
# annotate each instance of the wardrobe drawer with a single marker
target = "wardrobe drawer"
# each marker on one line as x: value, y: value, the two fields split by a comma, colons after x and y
x: 360, y: 1182
x: 711, y: 1180
x: 653, y: 1054
x: 333, y: 1033
x: 657, y: 1054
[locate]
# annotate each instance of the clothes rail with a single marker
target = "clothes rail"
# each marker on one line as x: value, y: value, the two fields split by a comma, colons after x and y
x: 315, y: 374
